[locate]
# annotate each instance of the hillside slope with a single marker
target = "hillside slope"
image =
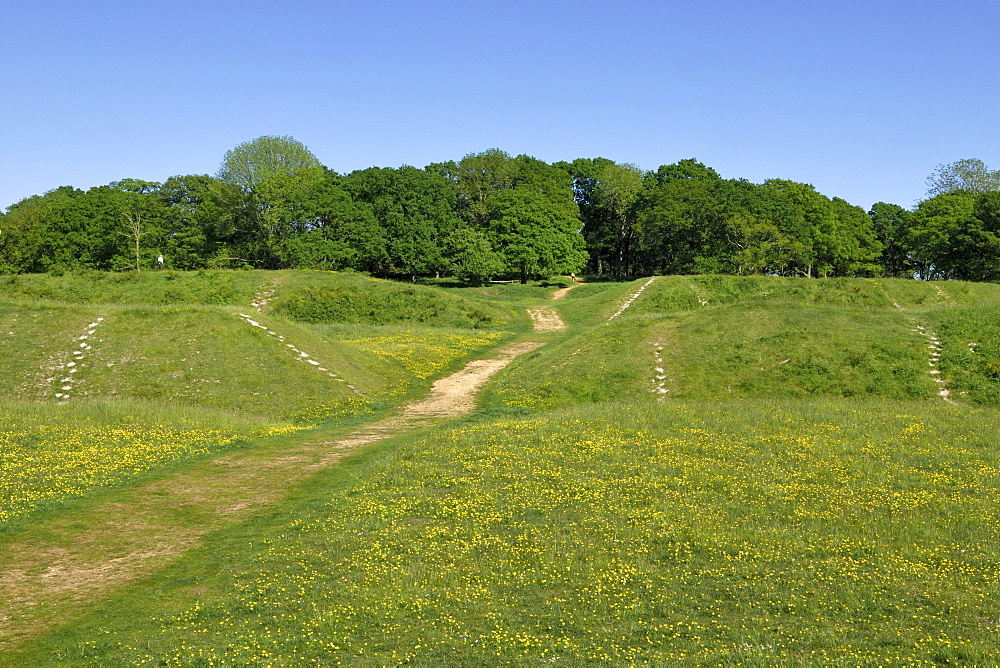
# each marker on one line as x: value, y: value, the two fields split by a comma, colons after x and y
x: 198, y: 339
x: 726, y: 337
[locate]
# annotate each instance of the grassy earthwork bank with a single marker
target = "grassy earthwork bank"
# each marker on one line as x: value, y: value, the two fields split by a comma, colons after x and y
x: 730, y: 470
x: 112, y: 386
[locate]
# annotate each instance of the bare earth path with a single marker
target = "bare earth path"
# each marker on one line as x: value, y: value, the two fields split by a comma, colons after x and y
x: 53, y: 570
x: 546, y: 319
x: 561, y: 292
x: 449, y: 397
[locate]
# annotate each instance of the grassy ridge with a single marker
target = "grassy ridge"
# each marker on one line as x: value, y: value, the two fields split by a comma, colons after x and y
x: 176, y: 360
x: 676, y: 293
x: 170, y: 342
x: 314, y: 298
x: 215, y: 358
x: 970, y: 359
x: 163, y: 287
x: 305, y: 296
x: 197, y: 356
x: 35, y: 342
x: 755, y: 532
x: 728, y: 337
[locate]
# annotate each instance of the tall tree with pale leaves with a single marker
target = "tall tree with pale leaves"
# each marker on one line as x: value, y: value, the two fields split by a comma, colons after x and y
x: 970, y: 174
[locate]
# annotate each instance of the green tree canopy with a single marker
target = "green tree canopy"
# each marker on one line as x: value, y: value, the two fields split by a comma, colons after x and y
x: 970, y: 174
x: 199, y: 212
x: 615, y: 191
x: 253, y: 162
x: 701, y: 225
x: 471, y: 257
x: 950, y: 239
x: 893, y: 225
x: 689, y: 168
x: 23, y: 233
x: 534, y: 235
x: 274, y: 174
x: 340, y: 233
x: 598, y: 231
x: 72, y: 229
x: 415, y: 208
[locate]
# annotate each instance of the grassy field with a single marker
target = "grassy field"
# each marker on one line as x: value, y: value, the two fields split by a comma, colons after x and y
x: 167, y: 287
x: 760, y: 532
x: 731, y: 337
x: 731, y: 470
x: 52, y: 455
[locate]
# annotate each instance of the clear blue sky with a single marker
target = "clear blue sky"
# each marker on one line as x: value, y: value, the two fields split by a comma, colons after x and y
x: 861, y: 99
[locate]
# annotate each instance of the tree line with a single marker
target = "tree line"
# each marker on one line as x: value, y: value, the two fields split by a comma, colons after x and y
x: 273, y: 205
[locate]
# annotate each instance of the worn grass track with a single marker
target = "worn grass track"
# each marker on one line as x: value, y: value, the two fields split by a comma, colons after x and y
x: 56, y: 568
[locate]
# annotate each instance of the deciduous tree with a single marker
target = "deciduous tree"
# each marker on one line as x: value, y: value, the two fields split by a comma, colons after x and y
x: 274, y: 174
x: 892, y: 225
x: 137, y: 207
x: 341, y: 233
x: 471, y: 256
x: 415, y: 208
x: 951, y: 241
x: 970, y: 174
x: 534, y: 235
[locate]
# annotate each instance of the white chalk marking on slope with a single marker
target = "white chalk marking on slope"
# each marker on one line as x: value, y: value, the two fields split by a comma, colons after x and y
x: 300, y: 355
x: 631, y: 298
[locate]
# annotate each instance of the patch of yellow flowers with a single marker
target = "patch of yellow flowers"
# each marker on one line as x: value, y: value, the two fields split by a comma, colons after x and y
x: 42, y: 464
x: 425, y: 352
x: 316, y: 412
x: 659, y: 536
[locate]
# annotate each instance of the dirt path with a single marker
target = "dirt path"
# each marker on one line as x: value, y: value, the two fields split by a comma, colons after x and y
x: 546, y: 319
x: 50, y: 573
x: 561, y: 292
x: 449, y: 397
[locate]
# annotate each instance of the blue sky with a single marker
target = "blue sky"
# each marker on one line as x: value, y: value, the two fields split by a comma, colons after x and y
x: 861, y: 99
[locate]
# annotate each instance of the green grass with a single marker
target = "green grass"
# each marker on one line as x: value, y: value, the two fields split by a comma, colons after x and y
x: 599, y: 365
x: 591, y: 304
x: 504, y: 293
x: 725, y: 337
x: 51, y: 455
x: 350, y: 298
x: 149, y: 287
x: 306, y: 296
x: 34, y: 340
x: 419, y: 352
x: 754, y: 532
x: 800, y: 495
x: 784, y: 350
x: 970, y: 358
x: 676, y: 293
x: 191, y: 355
x: 209, y: 356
